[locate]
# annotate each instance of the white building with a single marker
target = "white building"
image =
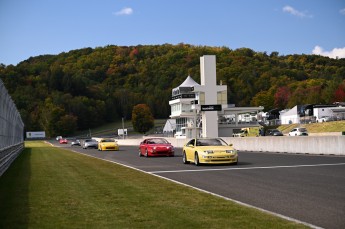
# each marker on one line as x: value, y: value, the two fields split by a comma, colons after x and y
x: 202, y: 110
x: 291, y: 116
x: 311, y: 113
x: 169, y: 128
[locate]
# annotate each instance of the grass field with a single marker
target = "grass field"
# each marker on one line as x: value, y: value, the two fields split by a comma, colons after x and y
x: 49, y: 187
x: 111, y: 128
x: 324, y: 127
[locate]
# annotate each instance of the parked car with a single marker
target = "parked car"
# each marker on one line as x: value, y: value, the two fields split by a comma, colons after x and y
x: 75, y: 142
x: 90, y: 143
x: 58, y: 138
x: 324, y: 119
x: 107, y: 144
x: 298, y: 132
x: 274, y: 132
x: 209, y: 151
x: 243, y: 132
x: 63, y: 141
x: 156, y: 147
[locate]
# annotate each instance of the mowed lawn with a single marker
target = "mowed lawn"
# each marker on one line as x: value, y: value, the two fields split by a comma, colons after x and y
x: 49, y: 187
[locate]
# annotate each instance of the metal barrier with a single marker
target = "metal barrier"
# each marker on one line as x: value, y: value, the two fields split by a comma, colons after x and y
x: 8, y: 155
x: 11, y: 130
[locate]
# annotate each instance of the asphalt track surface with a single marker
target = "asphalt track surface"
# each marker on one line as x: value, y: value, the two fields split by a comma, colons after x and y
x: 307, y: 188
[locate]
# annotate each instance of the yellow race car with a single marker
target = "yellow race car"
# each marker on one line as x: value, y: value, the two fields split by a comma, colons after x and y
x: 107, y: 144
x: 209, y: 151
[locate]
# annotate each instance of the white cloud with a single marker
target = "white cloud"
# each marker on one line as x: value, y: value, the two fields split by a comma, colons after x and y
x: 124, y: 11
x: 293, y: 11
x: 342, y: 11
x: 335, y: 53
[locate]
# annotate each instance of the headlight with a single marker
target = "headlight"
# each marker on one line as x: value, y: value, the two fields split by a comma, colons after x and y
x: 233, y: 151
x: 208, y: 151
x: 171, y: 148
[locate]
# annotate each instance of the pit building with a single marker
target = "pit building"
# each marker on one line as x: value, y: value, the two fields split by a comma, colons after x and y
x: 202, y: 110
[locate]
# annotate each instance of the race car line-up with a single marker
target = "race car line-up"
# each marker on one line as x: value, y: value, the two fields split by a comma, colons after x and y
x: 197, y: 150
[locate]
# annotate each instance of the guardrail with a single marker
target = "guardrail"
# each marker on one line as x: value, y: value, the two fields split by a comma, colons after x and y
x: 8, y: 155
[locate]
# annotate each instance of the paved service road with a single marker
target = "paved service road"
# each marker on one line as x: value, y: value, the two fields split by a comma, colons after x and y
x: 303, y: 187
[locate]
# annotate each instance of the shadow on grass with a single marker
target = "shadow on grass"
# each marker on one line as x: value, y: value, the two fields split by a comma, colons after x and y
x: 14, y: 193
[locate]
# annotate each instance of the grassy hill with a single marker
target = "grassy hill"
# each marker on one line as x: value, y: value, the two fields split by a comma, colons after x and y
x: 336, y: 126
x: 111, y: 128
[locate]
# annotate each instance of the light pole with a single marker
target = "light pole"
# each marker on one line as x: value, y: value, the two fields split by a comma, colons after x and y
x: 123, y: 128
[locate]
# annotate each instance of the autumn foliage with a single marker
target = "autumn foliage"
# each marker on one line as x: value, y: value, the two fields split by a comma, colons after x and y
x: 84, y: 88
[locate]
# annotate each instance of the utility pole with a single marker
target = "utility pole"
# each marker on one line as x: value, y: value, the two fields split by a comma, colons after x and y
x: 123, y: 128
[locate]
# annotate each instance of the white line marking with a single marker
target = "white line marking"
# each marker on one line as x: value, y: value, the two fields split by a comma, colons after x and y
x: 245, y: 168
x: 211, y: 193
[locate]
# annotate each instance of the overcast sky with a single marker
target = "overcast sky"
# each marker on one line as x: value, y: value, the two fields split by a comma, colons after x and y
x: 38, y: 27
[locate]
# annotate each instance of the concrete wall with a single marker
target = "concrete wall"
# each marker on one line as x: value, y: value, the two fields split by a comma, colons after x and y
x: 331, y: 145
x: 174, y: 141
x: 309, y: 145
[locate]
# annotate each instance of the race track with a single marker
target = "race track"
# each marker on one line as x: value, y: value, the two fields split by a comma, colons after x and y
x: 307, y: 188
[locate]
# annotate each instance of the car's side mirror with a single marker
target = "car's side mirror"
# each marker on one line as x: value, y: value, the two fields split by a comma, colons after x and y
x: 231, y: 144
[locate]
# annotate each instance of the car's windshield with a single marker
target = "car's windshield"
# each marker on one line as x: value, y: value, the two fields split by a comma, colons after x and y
x: 210, y: 142
x: 157, y: 141
x: 303, y: 129
x: 107, y: 140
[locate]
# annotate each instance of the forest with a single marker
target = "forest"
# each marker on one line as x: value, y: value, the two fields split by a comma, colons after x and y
x: 84, y: 88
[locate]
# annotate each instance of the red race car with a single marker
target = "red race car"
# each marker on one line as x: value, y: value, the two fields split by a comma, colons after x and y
x: 63, y: 141
x: 156, y: 147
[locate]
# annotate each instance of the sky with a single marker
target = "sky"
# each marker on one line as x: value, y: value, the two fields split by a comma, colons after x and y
x: 31, y: 28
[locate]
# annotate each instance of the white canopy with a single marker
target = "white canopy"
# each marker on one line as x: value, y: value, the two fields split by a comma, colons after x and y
x: 189, y: 82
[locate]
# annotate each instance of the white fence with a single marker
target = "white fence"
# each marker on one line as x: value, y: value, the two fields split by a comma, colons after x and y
x: 11, y: 130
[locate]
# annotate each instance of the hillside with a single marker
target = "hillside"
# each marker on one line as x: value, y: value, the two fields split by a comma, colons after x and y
x: 85, y: 88
x: 324, y: 127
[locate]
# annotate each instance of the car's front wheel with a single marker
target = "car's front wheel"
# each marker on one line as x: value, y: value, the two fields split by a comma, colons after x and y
x: 184, y: 158
x: 196, y: 159
x: 146, y: 153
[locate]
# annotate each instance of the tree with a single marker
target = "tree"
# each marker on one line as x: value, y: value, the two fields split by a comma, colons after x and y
x: 55, y: 121
x: 142, y: 118
x: 265, y: 99
x: 67, y: 125
x: 339, y: 95
x: 281, y: 97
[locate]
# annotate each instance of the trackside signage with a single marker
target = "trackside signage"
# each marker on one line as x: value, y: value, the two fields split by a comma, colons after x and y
x: 36, y: 134
x: 216, y: 107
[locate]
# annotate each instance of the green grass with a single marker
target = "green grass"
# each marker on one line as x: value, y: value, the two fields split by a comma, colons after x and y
x: 111, y: 128
x: 49, y: 187
x: 336, y: 126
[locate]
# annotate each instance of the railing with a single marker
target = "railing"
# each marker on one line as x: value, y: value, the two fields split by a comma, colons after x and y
x: 8, y: 155
x: 11, y: 130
